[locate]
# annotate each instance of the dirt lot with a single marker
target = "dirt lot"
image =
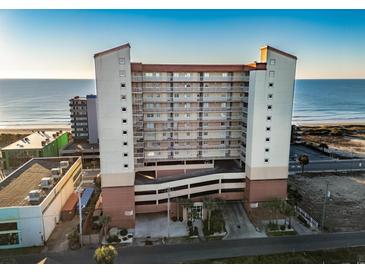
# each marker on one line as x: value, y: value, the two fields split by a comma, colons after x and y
x: 346, y: 207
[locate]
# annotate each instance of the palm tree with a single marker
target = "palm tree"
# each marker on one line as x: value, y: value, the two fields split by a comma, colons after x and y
x: 188, y: 204
x: 210, y: 205
x: 323, y: 146
x: 273, y: 205
x: 303, y: 160
x: 287, y: 210
x: 105, y: 254
x: 104, y: 222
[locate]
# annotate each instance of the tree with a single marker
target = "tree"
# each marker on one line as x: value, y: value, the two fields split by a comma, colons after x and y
x: 74, y: 240
x: 303, y: 160
x: 287, y: 210
x: 104, y: 222
x: 210, y: 205
x: 273, y: 205
x: 323, y: 146
x: 105, y: 254
x: 186, y: 203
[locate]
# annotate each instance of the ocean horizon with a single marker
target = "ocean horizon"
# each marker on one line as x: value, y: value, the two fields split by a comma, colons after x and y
x: 44, y: 102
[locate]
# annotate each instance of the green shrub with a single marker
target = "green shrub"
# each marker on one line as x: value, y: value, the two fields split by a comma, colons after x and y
x: 123, y: 232
x: 113, y: 239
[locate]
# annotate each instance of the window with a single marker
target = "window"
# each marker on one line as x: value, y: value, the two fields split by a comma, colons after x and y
x: 125, y: 143
x: 223, y: 105
x: 205, y: 133
x: 176, y: 114
x: 148, y: 74
x: 124, y: 109
x: 187, y: 133
x: 272, y: 62
x: 271, y: 85
x: 269, y: 107
x: 176, y: 95
x: 206, y: 114
x: 125, y: 154
x: 122, y: 85
x: 187, y: 115
x: 150, y: 115
x: 206, y: 105
x: 269, y: 96
x: 158, y: 115
x: 266, y: 160
x: 176, y: 74
x: 124, y: 121
x: 150, y: 125
x: 206, y: 74
x: 223, y: 124
x: 267, y: 149
x: 157, y: 74
x: 225, y: 74
x: 121, y: 61
x: 268, y: 118
x: 187, y: 74
x: 124, y: 132
x: 122, y: 73
x: 126, y: 165
x: 187, y: 105
x: 268, y: 128
x: 222, y: 142
x: 267, y: 139
x: 271, y: 74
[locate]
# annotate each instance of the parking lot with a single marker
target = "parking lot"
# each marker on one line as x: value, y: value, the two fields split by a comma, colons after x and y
x: 314, y: 155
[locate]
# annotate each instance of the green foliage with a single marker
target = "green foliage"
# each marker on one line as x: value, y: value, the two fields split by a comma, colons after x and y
x: 113, y: 239
x: 303, y: 160
x: 74, y: 240
x: 216, y: 223
x: 105, y: 254
x: 123, y: 232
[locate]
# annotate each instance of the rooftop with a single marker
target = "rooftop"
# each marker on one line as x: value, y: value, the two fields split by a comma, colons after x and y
x: 36, y: 140
x: 14, y: 188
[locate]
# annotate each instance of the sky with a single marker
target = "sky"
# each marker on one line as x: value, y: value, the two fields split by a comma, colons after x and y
x: 329, y: 44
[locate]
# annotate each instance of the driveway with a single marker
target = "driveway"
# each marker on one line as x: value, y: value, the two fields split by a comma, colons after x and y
x: 238, y: 225
x: 154, y: 225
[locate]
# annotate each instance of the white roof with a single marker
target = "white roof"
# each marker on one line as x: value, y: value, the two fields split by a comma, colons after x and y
x: 33, y: 141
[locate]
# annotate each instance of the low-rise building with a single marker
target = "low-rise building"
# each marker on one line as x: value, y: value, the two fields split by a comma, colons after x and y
x: 32, y: 197
x: 37, y: 144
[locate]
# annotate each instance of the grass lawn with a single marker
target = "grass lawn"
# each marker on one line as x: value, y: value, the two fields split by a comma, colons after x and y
x: 333, y: 256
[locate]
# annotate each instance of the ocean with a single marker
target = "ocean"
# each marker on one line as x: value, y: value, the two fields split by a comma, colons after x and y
x: 40, y: 102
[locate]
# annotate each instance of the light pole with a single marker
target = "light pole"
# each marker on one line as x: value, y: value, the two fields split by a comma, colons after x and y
x: 78, y: 190
x: 168, y: 212
x: 326, y: 196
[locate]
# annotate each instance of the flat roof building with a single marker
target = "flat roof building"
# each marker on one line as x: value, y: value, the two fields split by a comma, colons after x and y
x: 31, y: 199
x: 166, y: 130
x: 37, y: 144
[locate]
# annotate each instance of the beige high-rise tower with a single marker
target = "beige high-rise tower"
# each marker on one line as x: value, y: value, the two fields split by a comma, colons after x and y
x: 187, y: 131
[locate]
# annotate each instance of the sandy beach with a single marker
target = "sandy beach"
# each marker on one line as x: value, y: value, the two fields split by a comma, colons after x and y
x: 28, y: 129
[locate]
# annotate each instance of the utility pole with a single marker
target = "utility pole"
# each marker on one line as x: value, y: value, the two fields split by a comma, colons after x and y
x: 168, y: 212
x: 326, y: 196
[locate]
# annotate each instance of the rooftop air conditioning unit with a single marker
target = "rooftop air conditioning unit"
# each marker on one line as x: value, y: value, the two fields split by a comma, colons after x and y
x: 35, y: 196
x: 64, y: 164
x: 56, y: 173
x: 46, y: 183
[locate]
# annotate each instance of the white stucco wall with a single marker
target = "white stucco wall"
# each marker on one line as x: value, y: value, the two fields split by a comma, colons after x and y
x: 281, y: 115
x: 110, y: 116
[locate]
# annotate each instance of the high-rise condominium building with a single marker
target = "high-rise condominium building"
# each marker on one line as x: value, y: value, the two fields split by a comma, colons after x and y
x: 83, y: 118
x: 171, y: 131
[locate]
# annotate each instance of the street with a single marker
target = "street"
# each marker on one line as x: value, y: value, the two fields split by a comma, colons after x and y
x: 328, y: 165
x: 184, y: 253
